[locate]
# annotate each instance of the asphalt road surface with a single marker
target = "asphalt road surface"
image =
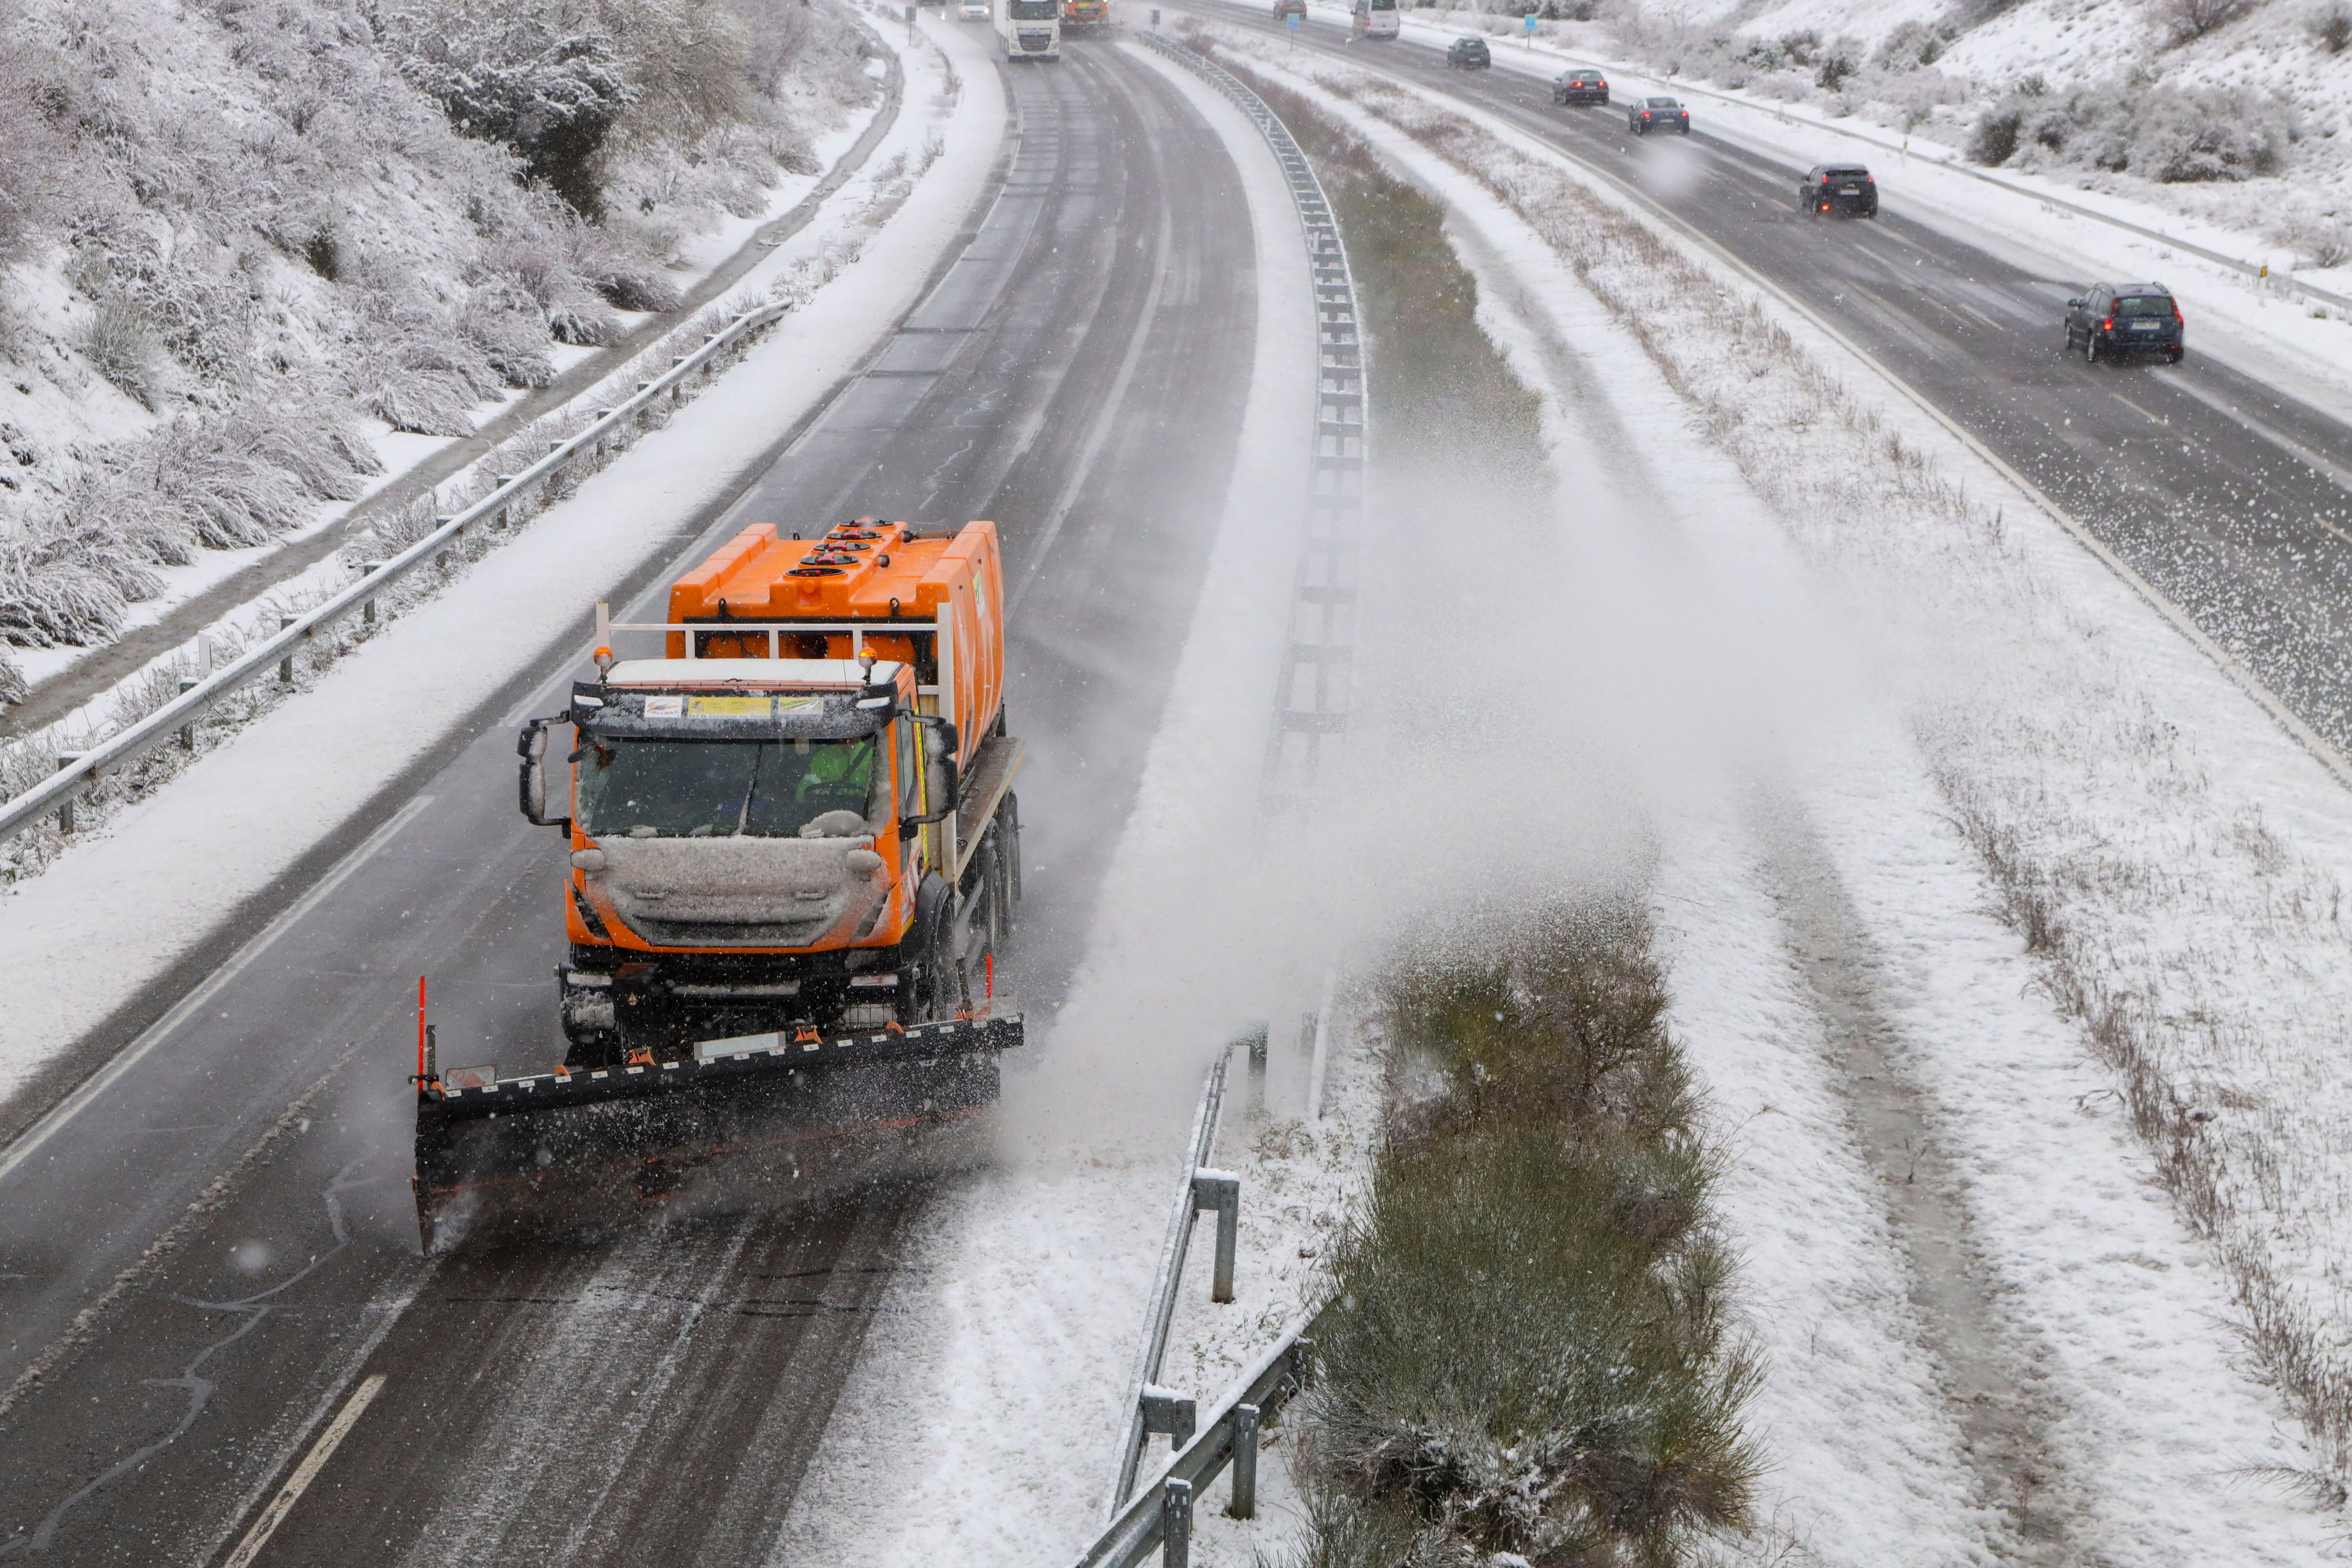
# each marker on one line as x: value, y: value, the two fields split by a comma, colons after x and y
x: 1078, y: 374
x: 2231, y: 500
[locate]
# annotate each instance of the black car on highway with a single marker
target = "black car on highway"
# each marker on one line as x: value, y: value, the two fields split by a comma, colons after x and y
x: 1468, y: 55
x: 1643, y: 115
x: 1838, y: 189
x: 1580, y: 87
x: 2121, y: 321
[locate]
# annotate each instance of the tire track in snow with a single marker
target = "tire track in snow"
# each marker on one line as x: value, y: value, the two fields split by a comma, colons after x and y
x: 2004, y: 1415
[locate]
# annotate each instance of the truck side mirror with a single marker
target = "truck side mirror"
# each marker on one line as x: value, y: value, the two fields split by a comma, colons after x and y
x: 939, y: 767
x: 532, y: 747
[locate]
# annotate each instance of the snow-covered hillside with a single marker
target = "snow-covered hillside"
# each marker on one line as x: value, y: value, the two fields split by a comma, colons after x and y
x: 243, y: 240
x: 2235, y: 112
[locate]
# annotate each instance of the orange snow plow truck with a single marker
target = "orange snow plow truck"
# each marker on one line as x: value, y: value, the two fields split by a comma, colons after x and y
x: 794, y: 854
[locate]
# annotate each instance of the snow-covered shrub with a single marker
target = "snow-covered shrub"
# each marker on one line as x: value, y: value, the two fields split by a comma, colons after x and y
x: 2171, y: 135
x: 520, y: 77
x: 2318, y: 241
x: 117, y: 340
x: 2331, y: 26
x: 1529, y: 1348
x: 2187, y: 20
x: 1912, y: 45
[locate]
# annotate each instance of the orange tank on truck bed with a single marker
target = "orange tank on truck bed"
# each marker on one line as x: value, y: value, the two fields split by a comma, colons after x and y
x: 794, y: 855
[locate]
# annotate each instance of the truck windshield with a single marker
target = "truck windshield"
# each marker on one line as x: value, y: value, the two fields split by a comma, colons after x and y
x: 720, y: 789
x: 1033, y: 10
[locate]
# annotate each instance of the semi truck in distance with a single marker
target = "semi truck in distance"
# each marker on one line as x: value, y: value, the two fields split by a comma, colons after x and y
x: 1030, y: 29
x: 1085, y: 13
x: 792, y: 856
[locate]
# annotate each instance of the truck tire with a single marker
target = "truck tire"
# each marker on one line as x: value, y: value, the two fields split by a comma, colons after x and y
x: 929, y: 952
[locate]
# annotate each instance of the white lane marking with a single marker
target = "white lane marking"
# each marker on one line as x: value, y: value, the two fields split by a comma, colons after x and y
x: 389, y: 1304
x: 80, y: 1099
x: 300, y: 1482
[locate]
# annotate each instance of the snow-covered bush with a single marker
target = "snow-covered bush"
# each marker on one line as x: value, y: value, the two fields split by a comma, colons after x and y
x: 2171, y: 135
x: 2331, y: 26
x: 2324, y: 241
x: 1529, y: 1349
x: 552, y: 99
x: 2187, y: 20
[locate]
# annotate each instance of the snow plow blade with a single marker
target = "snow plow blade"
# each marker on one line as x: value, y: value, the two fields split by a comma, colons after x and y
x: 765, y: 1121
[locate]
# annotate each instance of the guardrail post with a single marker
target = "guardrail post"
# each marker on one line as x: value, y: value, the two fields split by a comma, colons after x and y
x: 188, y: 730
x: 1221, y: 1191
x: 367, y: 610
x: 1176, y: 1525
x: 286, y: 664
x: 66, y: 806
x: 1165, y: 1410
x: 1245, y: 1498
x: 1255, y: 1038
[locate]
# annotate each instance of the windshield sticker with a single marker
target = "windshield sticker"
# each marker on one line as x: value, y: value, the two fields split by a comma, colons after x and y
x: 729, y: 707
x: 665, y: 707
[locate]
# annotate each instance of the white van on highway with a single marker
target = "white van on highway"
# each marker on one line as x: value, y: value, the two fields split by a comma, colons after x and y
x: 1030, y: 29
x: 1375, y: 19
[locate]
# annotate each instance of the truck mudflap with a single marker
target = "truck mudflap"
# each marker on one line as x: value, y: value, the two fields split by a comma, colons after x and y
x: 766, y: 1121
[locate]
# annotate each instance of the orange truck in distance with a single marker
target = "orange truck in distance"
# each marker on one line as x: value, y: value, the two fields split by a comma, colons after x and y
x: 1085, y: 12
x: 793, y: 856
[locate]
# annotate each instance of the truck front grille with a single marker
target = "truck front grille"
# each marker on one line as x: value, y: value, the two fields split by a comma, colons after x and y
x: 710, y: 933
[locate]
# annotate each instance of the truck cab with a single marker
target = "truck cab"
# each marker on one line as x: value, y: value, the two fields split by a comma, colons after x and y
x: 1030, y: 29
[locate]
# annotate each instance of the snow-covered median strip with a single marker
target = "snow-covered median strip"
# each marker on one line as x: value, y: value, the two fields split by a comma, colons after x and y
x: 127, y: 904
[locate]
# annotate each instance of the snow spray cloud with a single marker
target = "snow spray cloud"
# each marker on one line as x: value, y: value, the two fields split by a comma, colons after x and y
x: 1539, y: 672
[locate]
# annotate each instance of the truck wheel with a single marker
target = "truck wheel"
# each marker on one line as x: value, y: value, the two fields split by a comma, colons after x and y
x: 931, y: 994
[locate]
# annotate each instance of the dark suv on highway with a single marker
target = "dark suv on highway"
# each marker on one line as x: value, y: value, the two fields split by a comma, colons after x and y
x: 1580, y: 87
x: 1838, y: 188
x: 1468, y: 55
x: 2117, y: 321
x: 1643, y: 115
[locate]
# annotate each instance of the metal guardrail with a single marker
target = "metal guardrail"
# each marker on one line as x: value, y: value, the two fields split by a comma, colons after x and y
x: 79, y: 770
x: 1313, y: 696
x: 1161, y: 1514
x: 1151, y: 1408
